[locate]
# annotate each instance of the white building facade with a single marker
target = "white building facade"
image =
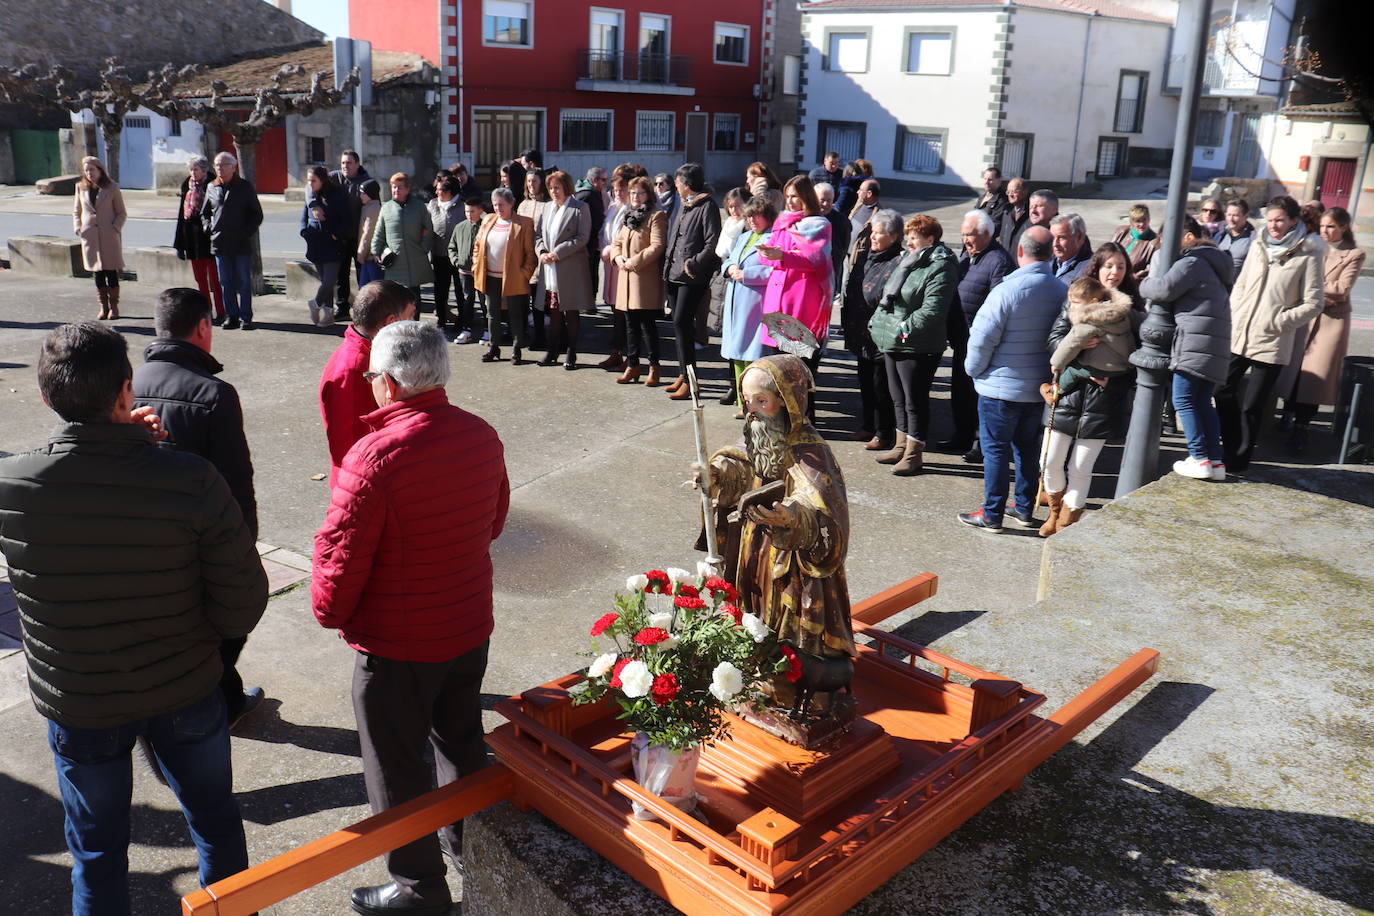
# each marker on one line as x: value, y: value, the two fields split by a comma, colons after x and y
x: 932, y: 93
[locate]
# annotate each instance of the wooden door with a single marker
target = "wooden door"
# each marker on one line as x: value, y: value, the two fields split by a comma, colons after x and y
x: 499, y: 136
x: 269, y: 159
x: 696, y: 137
x: 1337, y: 178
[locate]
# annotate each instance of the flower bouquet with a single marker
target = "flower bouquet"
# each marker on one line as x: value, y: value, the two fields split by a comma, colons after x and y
x: 683, y: 652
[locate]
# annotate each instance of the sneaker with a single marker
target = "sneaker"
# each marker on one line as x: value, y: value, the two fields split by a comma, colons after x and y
x: 1020, y: 519
x: 231, y: 324
x: 464, y: 337
x: 1218, y: 470
x: 252, y: 699
x: 1194, y: 468
x: 314, y: 312
x: 218, y: 320
x: 247, y: 325
x: 979, y: 519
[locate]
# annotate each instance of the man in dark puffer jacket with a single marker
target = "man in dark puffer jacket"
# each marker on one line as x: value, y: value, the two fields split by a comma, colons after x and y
x: 202, y: 416
x: 129, y: 563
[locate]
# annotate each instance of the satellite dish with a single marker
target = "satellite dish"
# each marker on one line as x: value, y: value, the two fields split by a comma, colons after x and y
x: 791, y: 335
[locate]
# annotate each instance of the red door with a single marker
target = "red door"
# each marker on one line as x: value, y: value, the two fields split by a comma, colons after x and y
x: 1338, y: 175
x: 269, y: 160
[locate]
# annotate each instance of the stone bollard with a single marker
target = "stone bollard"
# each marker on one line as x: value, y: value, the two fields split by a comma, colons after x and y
x: 47, y: 255
x: 302, y: 280
x: 160, y: 268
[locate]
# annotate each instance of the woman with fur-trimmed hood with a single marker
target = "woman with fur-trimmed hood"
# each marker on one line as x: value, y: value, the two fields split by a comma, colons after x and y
x: 1091, y: 344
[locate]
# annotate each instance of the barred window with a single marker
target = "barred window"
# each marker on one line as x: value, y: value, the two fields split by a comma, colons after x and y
x: 920, y: 152
x: 654, y: 130
x: 727, y: 132
x: 585, y: 130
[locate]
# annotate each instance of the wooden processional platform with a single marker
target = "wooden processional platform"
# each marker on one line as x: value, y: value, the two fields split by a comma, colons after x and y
x: 795, y: 831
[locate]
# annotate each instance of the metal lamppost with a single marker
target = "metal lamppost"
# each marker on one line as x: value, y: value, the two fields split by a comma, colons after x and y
x: 1140, y: 461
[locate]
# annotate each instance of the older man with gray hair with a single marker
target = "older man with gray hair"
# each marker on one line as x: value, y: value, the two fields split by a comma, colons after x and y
x: 1071, y: 249
x: 840, y: 234
x: 231, y: 216
x: 403, y: 569
x: 591, y: 190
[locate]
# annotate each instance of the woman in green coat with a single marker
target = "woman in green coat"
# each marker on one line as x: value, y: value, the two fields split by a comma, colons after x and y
x: 908, y: 327
x: 403, y: 238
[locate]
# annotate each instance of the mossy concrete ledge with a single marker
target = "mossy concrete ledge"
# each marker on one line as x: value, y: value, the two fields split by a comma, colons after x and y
x: 1238, y: 781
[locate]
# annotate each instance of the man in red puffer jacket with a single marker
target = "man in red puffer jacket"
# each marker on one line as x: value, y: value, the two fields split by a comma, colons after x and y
x: 403, y: 570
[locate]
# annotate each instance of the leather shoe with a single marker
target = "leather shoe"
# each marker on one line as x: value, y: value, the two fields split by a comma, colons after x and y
x: 252, y: 699
x: 392, y: 898
x: 953, y: 446
x: 974, y: 455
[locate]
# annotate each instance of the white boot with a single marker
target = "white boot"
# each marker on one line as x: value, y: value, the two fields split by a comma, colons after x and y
x: 326, y: 316
x: 314, y: 312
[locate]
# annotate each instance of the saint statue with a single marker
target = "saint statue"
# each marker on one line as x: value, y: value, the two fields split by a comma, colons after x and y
x: 782, y: 517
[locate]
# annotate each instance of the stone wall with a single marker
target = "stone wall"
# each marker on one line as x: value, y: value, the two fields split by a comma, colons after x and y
x: 147, y: 33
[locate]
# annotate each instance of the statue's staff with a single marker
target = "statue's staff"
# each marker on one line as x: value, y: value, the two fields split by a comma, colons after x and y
x: 708, y: 516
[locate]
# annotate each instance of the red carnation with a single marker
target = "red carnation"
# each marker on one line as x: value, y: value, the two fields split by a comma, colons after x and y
x: 658, y: 581
x: 664, y: 689
x: 615, y: 672
x: 650, y: 635
x: 606, y: 620
x: 794, y: 670
x: 722, y: 588
x: 689, y: 602
x: 733, y: 612
x: 689, y: 591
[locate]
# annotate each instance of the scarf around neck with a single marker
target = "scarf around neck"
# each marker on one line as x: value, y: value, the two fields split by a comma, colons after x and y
x: 1277, y: 248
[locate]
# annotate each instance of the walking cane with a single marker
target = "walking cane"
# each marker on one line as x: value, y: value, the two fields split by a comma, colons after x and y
x: 1045, y: 447
x: 708, y: 520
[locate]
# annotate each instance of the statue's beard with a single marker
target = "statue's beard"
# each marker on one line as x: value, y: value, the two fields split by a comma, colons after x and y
x: 765, y: 441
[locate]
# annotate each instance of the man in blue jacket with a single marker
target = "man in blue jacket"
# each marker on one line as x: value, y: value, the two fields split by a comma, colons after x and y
x: 1008, y: 363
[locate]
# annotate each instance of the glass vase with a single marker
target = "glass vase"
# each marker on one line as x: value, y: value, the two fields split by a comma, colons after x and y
x: 667, y: 773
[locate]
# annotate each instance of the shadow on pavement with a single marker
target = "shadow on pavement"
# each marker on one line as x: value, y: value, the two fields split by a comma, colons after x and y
x: 268, y: 726
x: 288, y: 801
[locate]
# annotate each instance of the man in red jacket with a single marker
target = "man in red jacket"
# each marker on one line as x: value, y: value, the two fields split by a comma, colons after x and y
x: 344, y: 397
x: 403, y: 569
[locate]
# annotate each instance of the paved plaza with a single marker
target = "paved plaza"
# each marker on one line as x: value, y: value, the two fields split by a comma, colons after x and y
x: 598, y: 474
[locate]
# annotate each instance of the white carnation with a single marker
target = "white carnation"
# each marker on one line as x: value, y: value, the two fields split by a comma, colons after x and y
x: 663, y: 621
x: 726, y: 679
x: 602, y: 665
x: 756, y: 627
x: 636, y: 679
x: 680, y: 575
x: 705, y: 570
x: 637, y: 583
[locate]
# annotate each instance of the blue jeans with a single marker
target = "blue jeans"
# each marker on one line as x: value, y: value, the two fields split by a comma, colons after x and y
x: 368, y: 272
x: 95, y: 778
x: 1009, y: 430
x: 1198, y: 416
x: 236, y: 282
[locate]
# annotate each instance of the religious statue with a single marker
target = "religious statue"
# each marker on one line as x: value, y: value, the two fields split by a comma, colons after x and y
x: 782, y: 517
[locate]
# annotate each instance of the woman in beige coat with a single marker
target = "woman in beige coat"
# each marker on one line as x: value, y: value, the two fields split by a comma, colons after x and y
x: 503, y: 261
x: 98, y: 218
x: 638, y: 253
x: 1319, y: 380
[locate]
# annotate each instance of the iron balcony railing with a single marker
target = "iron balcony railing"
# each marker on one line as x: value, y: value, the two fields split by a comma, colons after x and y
x: 634, y: 67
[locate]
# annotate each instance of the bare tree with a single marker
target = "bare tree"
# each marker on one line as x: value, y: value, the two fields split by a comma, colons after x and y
x: 109, y: 97
x: 271, y: 105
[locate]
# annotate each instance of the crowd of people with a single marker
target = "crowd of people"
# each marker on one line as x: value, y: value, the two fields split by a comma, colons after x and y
x: 1041, y: 326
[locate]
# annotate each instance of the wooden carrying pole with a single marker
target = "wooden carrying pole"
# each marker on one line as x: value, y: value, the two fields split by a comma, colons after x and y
x: 317, y: 861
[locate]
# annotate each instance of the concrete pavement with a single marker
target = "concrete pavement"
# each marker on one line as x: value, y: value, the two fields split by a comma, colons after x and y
x: 598, y: 474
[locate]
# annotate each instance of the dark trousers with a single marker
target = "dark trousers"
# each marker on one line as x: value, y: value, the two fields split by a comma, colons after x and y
x: 963, y: 400
x: 909, y: 376
x: 1241, y: 405
x: 445, y: 278
x: 516, y: 308
x: 641, y: 322
x: 593, y: 264
x: 875, y: 400
x: 399, y: 706
x: 619, y: 328
x: 686, y: 300
x: 419, y: 302
x: 231, y: 682
x: 106, y: 278
x: 341, y: 285
x: 563, y: 327
x: 468, y: 300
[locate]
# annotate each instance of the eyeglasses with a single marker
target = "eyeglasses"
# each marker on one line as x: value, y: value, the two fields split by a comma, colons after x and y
x: 1209, y: 210
x: 369, y: 376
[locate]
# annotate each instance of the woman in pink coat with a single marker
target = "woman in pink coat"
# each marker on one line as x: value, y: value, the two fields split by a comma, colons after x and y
x: 798, y: 250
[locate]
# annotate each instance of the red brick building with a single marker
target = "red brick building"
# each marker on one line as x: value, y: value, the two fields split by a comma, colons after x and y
x: 590, y: 84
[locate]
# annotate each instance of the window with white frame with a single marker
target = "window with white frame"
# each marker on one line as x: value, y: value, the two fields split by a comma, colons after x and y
x: 726, y: 136
x: 654, y: 130
x: 791, y: 74
x: 731, y: 43
x: 929, y: 53
x: 507, y: 23
x: 582, y: 129
x: 846, y: 52
x: 920, y: 151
